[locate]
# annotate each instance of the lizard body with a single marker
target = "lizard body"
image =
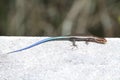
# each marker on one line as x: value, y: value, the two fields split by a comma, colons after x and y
x: 69, y: 38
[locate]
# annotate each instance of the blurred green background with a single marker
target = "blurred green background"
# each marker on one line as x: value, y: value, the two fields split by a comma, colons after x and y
x: 60, y: 17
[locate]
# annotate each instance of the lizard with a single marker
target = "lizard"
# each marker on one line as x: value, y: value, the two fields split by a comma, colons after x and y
x: 69, y: 38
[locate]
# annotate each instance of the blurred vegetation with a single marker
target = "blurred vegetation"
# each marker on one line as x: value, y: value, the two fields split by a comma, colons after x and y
x: 60, y: 17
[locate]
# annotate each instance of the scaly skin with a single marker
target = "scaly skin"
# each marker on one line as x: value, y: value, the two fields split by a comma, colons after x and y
x: 69, y: 38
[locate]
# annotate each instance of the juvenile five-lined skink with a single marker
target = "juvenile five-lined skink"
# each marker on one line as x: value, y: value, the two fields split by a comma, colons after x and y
x: 69, y: 38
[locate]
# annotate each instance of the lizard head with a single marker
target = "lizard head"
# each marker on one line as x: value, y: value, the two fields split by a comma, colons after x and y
x: 100, y: 40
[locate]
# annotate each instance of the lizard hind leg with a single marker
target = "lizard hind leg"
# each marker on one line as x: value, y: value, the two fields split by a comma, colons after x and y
x: 86, y: 42
x: 73, y: 43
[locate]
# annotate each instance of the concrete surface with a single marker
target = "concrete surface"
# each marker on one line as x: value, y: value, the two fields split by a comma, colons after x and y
x: 58, y: 60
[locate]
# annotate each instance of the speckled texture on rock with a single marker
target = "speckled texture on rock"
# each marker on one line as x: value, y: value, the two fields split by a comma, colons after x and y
x: 58, y: 60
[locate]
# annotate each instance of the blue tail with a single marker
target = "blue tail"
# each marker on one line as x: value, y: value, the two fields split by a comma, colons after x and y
x: 35, y: 44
